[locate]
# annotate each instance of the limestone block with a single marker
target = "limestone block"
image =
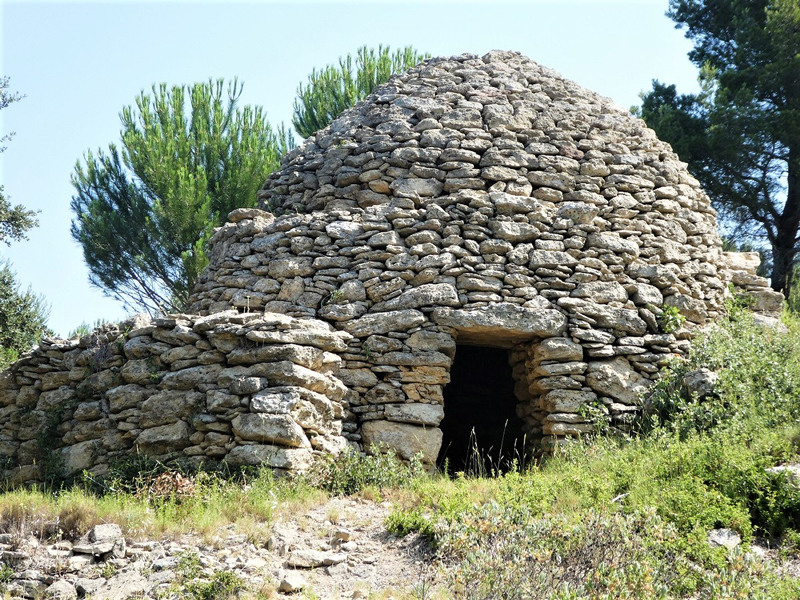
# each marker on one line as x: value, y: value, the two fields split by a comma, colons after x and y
x: 413, y: 188
x: 140, y: 371
x: 53, y: 380
x: 55, y: 397
x: 384, y: 393
x: 580, y: 213
x: 288, y: 373
x: 344, y: 230
x: 700, y: 383
x: 187, y: 379
x: 357, y: 377
x: 305, y: 356
x: 509, y: 204
x: 502, y: 324
x: 397, y: 320
x: 431, y: 340
x: 290, y: 266
x: 612, y: 241
x: 164, y: 438
x: 767, y: 300
x: 217, y: 401
x: 180, y: 335
x: 332, y: 341
x: 647, y: 294
x: 420, y: 414
x: 293, y: 459
x: 247, y: 385
x: 602, y: 292
x: 692, y: 308
x: 342, y: 312
x: 407, y: 440
x: 742, y: 261
x: 617, y: 379
x: 560, y: 428
x: 557, y: 348
x: 621, y: 319
x: 180, y: 353
x: 170, y: 405
x: 429, y: 294
x: 431, y: 359
x: 125, y: 396
x: 270, y: 428
x: 79, y: 457
x: 87, y: 411
x: 551, y: 258
x: 511, y: 231
x: 566, y: 401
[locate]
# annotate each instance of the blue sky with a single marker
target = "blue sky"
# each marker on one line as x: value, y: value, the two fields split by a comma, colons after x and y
x: 79, y: 63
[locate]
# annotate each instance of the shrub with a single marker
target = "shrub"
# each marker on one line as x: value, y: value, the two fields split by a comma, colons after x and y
x: 352, y: 472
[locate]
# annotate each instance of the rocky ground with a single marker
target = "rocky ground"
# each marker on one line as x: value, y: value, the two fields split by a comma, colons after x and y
x: 337, y: 550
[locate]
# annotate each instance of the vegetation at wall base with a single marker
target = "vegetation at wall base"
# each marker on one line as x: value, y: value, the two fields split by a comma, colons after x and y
x: 629, y: 518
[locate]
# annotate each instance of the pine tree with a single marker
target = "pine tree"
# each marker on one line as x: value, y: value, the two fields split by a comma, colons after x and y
x: 741, y: 134
x: 333, y: 89
x: 144, y: 212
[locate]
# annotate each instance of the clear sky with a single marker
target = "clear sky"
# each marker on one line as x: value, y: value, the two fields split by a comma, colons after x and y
x: 79, y: 63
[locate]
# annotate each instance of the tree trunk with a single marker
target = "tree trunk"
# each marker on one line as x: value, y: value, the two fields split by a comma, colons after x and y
x: 784, y: 247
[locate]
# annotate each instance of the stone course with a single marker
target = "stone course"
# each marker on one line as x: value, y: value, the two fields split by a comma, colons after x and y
x: 472, y: 200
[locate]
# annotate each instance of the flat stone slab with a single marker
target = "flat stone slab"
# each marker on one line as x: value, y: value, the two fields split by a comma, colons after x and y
x: 502, y: 324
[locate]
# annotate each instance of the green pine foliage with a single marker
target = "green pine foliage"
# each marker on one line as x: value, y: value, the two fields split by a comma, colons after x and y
x: 23, y: 317
x: 144, y: 211
x: 332, y: 90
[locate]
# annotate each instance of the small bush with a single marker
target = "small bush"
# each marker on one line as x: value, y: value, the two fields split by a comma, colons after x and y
x: 192, y: 584
x: 352, y: 472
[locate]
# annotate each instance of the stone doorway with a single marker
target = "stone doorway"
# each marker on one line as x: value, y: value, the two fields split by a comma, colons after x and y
x: 481, y: 430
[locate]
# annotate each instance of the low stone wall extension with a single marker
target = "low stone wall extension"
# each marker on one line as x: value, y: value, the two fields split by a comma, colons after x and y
x: 242, y: 388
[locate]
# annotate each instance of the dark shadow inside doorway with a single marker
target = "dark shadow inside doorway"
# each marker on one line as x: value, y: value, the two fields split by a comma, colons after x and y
x: 481, y: 432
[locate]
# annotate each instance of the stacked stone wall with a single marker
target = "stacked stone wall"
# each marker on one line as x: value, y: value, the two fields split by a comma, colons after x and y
x: 246, y: 389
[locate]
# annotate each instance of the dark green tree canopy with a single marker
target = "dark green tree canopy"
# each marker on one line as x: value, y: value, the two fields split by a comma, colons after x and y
x: 741, y: 134
x: 334, y: 89
x: 144, y: 211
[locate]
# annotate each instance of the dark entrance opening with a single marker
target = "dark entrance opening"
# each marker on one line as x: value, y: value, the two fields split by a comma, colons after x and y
x: 481, y: 431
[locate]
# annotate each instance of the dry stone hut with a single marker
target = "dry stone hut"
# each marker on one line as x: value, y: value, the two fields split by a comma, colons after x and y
x: 479, y: 252
x: 498, y: 241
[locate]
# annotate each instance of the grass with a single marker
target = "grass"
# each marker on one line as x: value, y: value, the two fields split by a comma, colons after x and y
x: 252, y: 503
x: 603, y: 518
